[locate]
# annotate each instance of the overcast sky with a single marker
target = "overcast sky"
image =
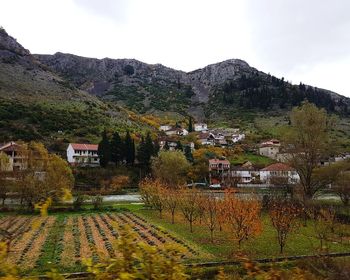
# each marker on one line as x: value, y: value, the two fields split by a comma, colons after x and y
x: 301, y: 40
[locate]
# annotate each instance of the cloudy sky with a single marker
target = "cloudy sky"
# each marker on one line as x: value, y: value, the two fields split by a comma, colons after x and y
x: 301, y: 40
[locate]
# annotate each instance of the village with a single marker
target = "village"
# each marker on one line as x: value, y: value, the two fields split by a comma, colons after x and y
x: 221, y: 173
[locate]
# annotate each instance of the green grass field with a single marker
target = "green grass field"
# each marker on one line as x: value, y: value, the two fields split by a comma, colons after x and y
x: 300, y: 242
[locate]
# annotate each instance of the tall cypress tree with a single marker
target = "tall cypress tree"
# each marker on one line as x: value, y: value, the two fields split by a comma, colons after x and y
x: 116, y: 148
x: 133, y: 152
x: 188, y: 153
x: 190, y: 125
x: 141, y: 153
x: 149, y: 147
x: 129, y: 147
x: 104, y: 150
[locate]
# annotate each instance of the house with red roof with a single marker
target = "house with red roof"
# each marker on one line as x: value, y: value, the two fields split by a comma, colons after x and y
x: 279, y: 172
x: 83, y: 154
x: 219, y: 170
x: 270, y: 148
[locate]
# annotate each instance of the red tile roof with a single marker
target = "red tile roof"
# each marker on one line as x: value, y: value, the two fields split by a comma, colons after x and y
x: 215, y: 160
x: 278, y: 167
x: 84, y: 147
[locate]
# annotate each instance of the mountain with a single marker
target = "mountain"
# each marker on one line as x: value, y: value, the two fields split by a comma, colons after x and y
x: 36, y: 103
x: 73, y: 98
x: 215, y: 91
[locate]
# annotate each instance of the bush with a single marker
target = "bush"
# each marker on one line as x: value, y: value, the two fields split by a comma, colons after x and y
x: 97, y: 202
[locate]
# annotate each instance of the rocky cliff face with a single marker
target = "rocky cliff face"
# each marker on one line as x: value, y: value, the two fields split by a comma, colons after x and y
x: 145, y: 87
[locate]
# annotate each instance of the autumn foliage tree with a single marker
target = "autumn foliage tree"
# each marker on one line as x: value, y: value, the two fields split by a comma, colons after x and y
x: 45, y: 175
x: 211, y: 207
x: 171, y: 201
x: 243, y: 217
x: 189, y: 199
x: 284, y: 218
x: 153, y: 193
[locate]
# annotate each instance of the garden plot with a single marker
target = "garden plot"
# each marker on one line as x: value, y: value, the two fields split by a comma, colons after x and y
x: 65, y: 240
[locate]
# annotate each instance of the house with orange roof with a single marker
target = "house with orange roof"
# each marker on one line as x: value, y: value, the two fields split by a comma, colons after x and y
x: 83, y: 154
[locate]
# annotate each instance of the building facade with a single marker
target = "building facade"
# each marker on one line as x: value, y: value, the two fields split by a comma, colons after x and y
x: 83, y: 154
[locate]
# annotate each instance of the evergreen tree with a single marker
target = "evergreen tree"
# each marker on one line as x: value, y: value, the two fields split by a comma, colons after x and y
x: 104, y: 150
x: 129, y: 148
x: 141, y: 153
x: 116, y: 148
x: 190, y: 125
x: 179, y: 146
x: 188, y: 154
x: 156, y: 148
x: 149, y: 147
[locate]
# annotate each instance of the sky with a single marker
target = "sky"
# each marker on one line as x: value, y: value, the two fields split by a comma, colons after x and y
x: 301, y: 40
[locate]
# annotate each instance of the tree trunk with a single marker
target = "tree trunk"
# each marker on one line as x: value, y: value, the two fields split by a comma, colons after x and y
x: 191, y: 229
x: 211, y: 236
x: 173, y: 217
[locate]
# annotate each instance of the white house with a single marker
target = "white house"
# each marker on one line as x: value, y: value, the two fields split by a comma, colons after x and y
x: 246, y: 173
x: 279, y: 171
x: 270, y: 148
x: 83, y: 154
x: 200, y: 127
x: 238, y: 137
x: 165, y: 127
x: 177, y: 131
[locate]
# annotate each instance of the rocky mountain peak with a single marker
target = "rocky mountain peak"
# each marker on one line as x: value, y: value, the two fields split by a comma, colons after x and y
x: 10, y: 44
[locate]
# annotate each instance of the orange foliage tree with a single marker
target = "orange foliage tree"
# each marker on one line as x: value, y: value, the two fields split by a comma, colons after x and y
x: 171, y: 199
x: 243, y: 217
x: 189, y: 199
x: 284, y: 218
x: 211, y: 206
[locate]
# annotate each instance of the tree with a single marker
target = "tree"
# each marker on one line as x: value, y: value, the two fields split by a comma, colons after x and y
x: 307, y: 144
x: 188, y: 153
x: 46, y: 175
x: 129, y: 149
x: 145, y: 151
x: 189, y: 199
x: 324, y: 224
x: 171, y: 201
x: 284, y: 218
x: 211, y: 206
x: 116, y: 148
x: 170, y: 167
x: 190, y: 125
x: 141, y: 152
x: 104, y: 150
x: 5, y: 184
x: 4, y: 162
x: 243, y: 217
x: 342, y: 187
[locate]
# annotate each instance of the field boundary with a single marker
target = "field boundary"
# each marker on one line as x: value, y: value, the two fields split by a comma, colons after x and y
x: 84, y: 275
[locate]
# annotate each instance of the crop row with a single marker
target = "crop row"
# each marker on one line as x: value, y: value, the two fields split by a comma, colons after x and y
x: 155, y: 230
x: 90, y: 238
x: 53, y: 247
x: 29, y: 245
x: 102, y: 233
x: 76, y: 239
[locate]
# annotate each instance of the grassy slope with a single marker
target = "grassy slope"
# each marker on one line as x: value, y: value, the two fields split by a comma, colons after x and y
x: 36, y: 104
